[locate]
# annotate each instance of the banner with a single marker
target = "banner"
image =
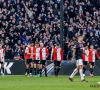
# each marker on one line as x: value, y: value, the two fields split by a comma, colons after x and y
x: 17, y: 67
x: 14, y: 67
x: 67, y: 68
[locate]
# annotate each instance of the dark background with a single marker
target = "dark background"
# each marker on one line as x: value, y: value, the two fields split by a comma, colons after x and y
x: 18, y: 68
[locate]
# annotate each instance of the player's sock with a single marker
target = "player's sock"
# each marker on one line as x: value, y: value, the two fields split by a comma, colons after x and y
x: 3, y: 70
x: 31, y: 69
x: 40, y: 71
x: 35, y: 71
x: 73, y: 74
x: 91, y: 70
x: 45, y: 71
x: 84, y: 69
x: 27, y: 71
x: 55, y: 71
x: 81, y: 74
x: 58, y: 69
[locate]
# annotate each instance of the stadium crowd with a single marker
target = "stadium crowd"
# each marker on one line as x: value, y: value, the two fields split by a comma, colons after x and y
x: 23, y: 21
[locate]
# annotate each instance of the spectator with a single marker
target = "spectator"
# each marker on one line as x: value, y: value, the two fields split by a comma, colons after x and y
x: 18, y: 53
x: 8, y: 53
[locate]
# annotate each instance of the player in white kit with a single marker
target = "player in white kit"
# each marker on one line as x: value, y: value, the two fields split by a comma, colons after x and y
x: 2, y: 54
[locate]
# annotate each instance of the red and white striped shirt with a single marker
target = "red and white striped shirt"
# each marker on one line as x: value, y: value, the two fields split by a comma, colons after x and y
x: 92, y: 54
x: 2, y: 54
x: 44, y: 53
x: 32, y: 53
x: 85, y: 55
x: 36, y: 53
x: 57, y: 54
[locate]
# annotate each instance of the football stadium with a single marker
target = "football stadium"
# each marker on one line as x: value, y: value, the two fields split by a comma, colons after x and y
x: 49, y: 44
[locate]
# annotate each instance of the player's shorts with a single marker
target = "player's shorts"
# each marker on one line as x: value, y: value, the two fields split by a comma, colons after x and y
x: 79, y: 62
x: 57, y: 63
x: 1, y: 62
x: 43, y: 62
x: 84, y: 62
x: 28, y: 61
x: 37, y: 61
x: 92, y: 63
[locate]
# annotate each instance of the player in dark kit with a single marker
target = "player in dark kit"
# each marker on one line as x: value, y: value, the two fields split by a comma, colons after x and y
x: 77, y: 54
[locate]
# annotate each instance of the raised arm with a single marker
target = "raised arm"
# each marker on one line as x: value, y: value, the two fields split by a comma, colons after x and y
x: 25, y: 7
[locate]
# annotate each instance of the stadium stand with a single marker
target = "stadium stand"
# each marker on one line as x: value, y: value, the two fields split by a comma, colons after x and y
x: 23, y: 21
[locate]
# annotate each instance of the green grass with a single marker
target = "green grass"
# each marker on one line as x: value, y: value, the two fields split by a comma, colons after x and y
x: 46, y: 83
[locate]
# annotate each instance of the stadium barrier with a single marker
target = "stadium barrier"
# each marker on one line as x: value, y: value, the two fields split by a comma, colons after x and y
x: 17, y: 67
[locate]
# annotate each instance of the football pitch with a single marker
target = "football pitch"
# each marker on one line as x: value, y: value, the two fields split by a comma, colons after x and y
x: 48, y: 83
